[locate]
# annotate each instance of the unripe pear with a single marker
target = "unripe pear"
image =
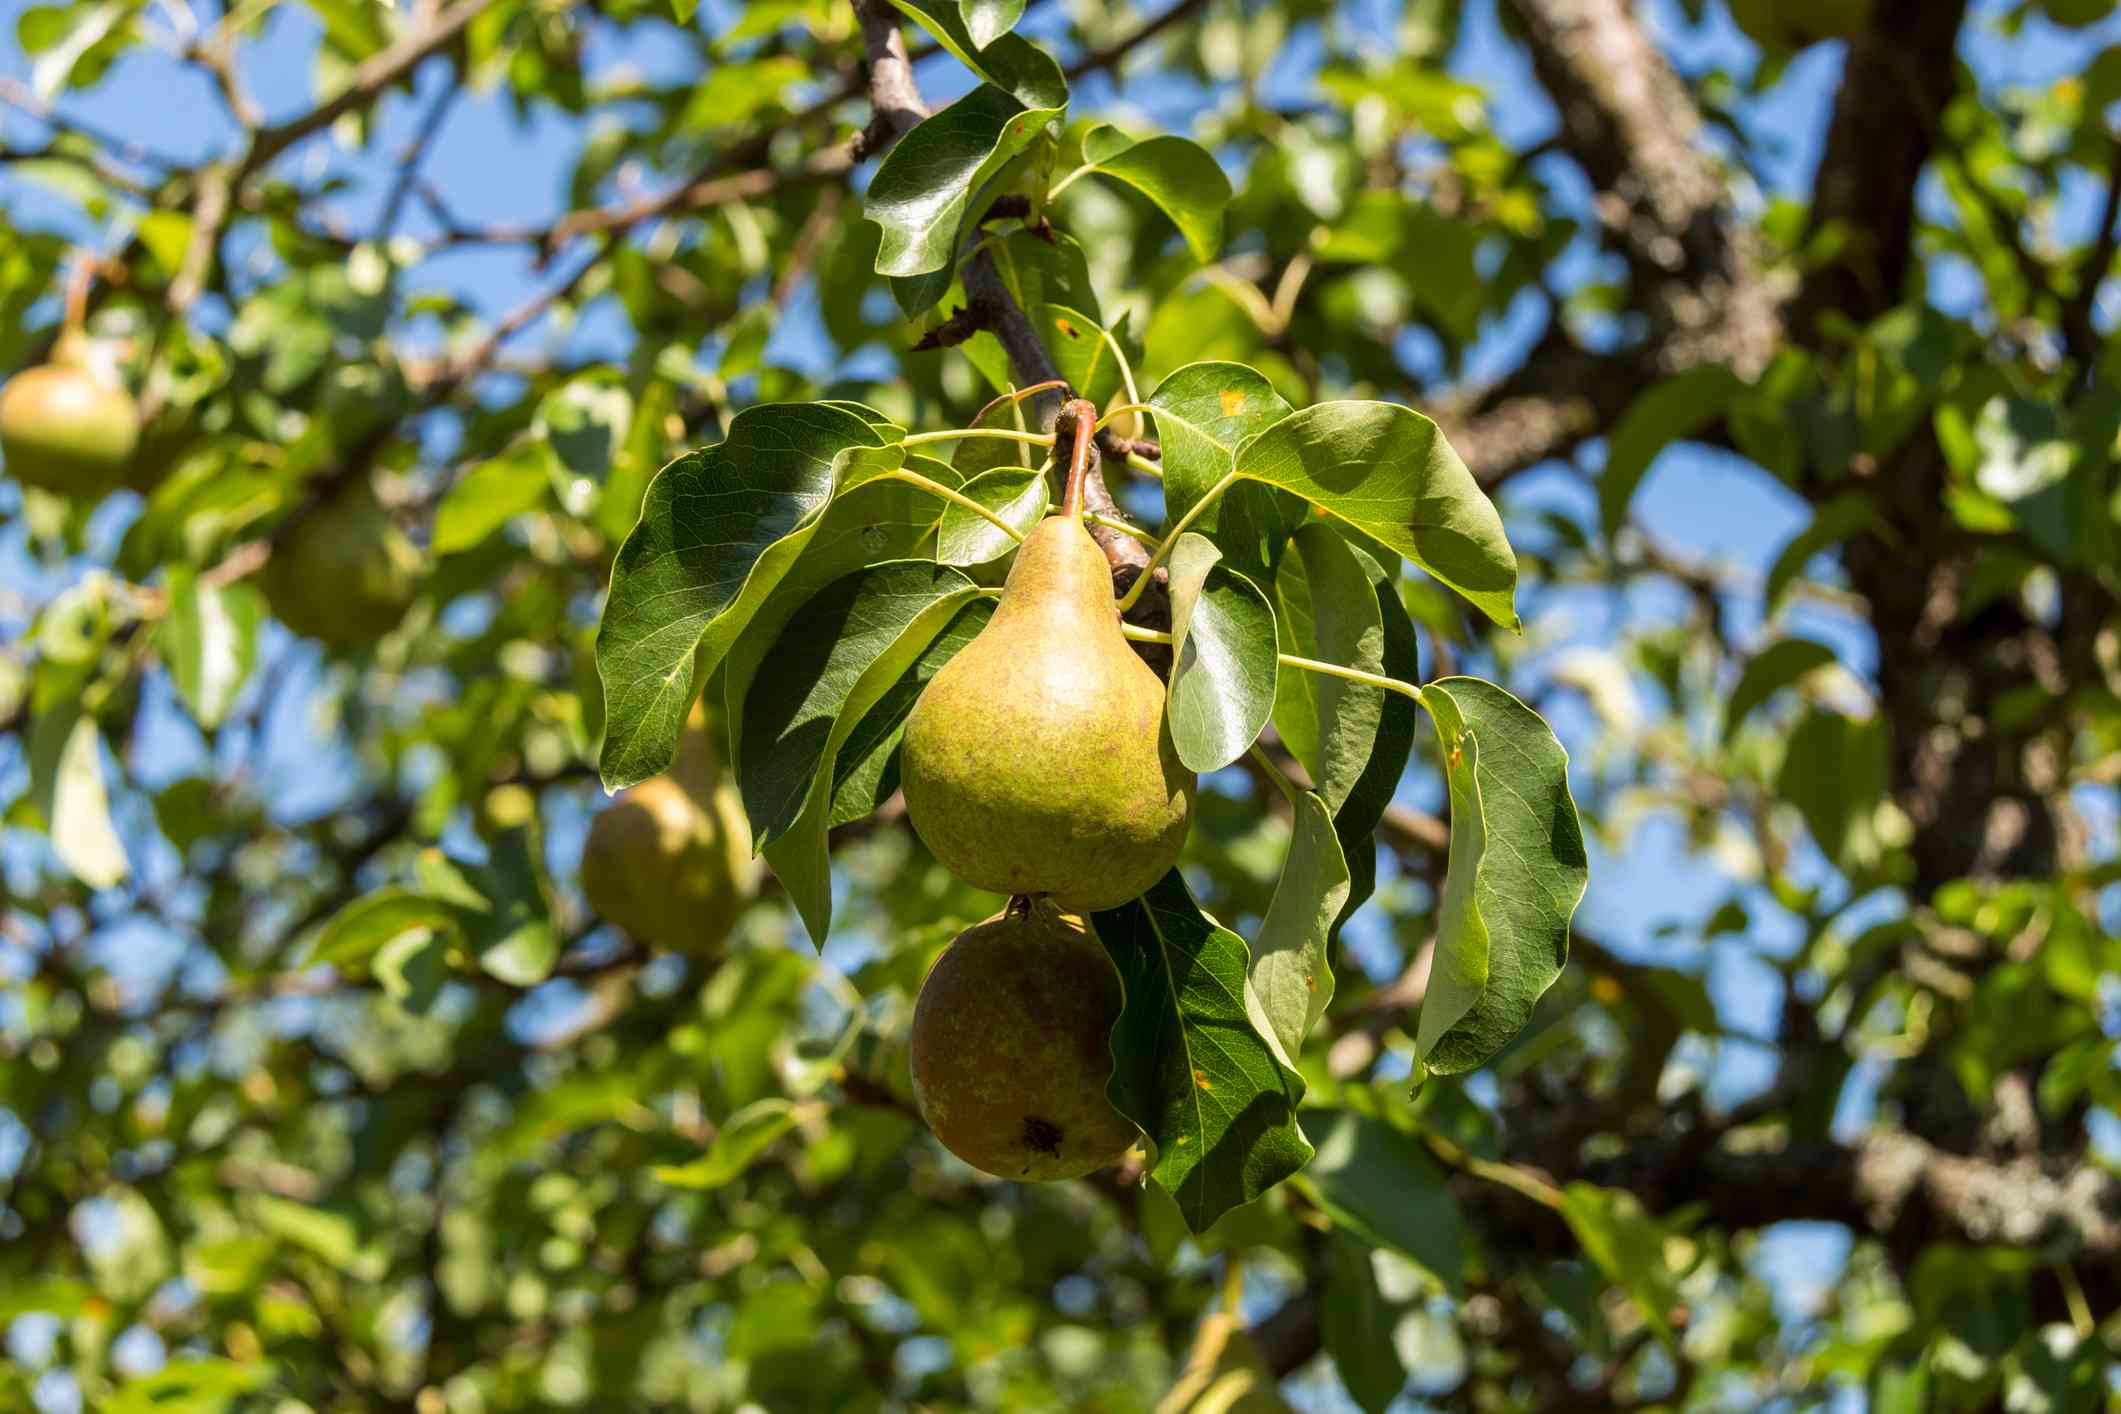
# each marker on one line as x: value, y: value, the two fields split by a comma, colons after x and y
x: 68, y: 426
x: 670, y: 860
x: 344, y: 574
x: 1037, y: 761
x: 1009, y: 1047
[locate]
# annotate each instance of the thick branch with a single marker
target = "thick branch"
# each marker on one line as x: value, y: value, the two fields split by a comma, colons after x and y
x: 1900, y: 71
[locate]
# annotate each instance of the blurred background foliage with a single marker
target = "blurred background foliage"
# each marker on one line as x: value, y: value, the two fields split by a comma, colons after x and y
x: 1776, y: 329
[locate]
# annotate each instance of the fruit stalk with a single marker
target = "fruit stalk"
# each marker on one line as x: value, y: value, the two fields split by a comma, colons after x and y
x: 1083, y: 413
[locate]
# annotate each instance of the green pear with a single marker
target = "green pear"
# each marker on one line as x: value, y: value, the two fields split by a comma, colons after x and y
x: 1009, y: 1047
x: 345, y: 573
x: 69, y: 426
x: 670, y: 860
x: 1038, y: 761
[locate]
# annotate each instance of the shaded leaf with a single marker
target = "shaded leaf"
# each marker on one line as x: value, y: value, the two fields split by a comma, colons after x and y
x: 1517, y: 869
x: 718, y: 529
x: 1290, y: 975
x: 1223, y: 658
x: 1377, y: 1182
x: 1356, y: 1323
x: 1628, y: 1244
x: 743, y: 1137
x: 1771, y: 669
x: 1188, y: 1065
x: 1661, y: 414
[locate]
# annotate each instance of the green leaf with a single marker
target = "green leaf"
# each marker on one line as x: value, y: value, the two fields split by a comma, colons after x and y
x: 1017, y: 494
x: 868, y: 524
x: 1771, y: 669
x: 1357, y: 1324
x: 1203, y: 412
x: 198, y: 1384
x: 1188, y: 1065
x: 1661, y: 414
x: 66, y: 780
x: 510, y: 929
x: 1517, y: 870
x: 209, y: 642
x: 988, y: 20
x: 1179, y: 175
x: 1223, y: 658
x: 887, y: 616
x: 1833, y: 523
x: 363, y: 928
x: 1341, y: 606
x: 1082, y: 351
x: 683, y: 10
x: 1834, y: 772
x: 802, y: 688
x: 1290, y: 975
x: 323, y: 1233
x: 743, y: 1137
x: 1379, y: 1184
x: 1387, y: 471
x: 1009, y: 61
x: 1037, y: 272
x: 923, y: 190
x: 718, y: 529
x: 61, y: 1296
x: 1629, y: 1246
x: 490, y: 494
x: 867, y: 772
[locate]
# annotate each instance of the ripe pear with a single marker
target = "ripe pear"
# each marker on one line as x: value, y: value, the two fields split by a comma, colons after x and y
x: 1009, y: 1048
x: 670, y: 860
x: 344, y: 573
x: 1038, y: 761
x: 69, y: 426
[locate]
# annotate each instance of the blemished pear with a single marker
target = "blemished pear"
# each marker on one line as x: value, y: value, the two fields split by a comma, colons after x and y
x: 670, y: 860
x: 1009, y: 1049
x: 1038, y: 761
x: 345, y: 574
x: 69, y: 428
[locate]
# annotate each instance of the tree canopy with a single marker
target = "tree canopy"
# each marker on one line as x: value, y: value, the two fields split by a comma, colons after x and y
x: 1663, y: 449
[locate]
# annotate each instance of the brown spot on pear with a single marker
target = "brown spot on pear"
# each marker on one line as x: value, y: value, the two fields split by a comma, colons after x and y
x: 1038, y: 761
x: 1009, y: 1048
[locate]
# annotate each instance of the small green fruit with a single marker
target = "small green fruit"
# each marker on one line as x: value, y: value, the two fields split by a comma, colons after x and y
x: 344, y: 574
x: 670, y: 861
x: 1037, y: 762
x: 1009, y: 1047
x: 68, y: 429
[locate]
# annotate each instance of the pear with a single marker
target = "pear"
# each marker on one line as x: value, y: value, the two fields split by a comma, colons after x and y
x: 1009, y: 1049
x: 344, y: 573
x: 670, y: 860
x: 69, y: 426
x: 1037, y: 761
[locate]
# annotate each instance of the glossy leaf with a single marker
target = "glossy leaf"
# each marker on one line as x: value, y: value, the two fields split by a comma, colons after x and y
x: 1387, y: 471
x: 1517, y: 869
x: 718, y: 530
x: 1203, y: 412
x: 1223, y: 651
x: 988, y: 20
x: 1189, y: 1067
x: 921, y: 194
x: 1179, y: 175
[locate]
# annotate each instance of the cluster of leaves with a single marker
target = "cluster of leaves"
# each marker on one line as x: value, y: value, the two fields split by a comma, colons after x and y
x: 321, y: 1087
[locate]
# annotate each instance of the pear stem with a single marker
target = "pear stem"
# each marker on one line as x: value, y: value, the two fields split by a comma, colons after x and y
x: 914, y: 478
x: 959, y: 434
x: 1016, y: 396
x: 78, y: 281
x: 1085, y: 414
x: 1290, y: 660
x: 1185, y: 523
